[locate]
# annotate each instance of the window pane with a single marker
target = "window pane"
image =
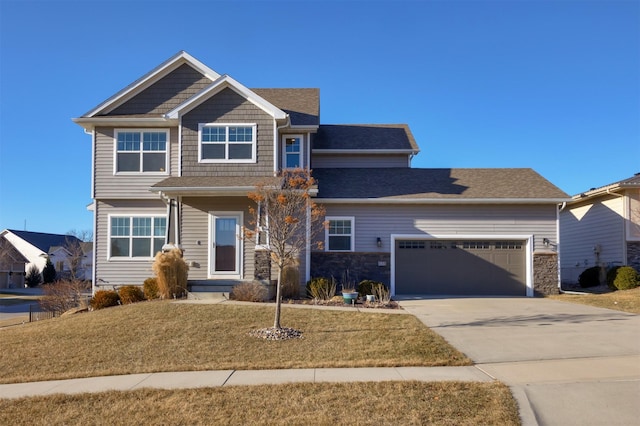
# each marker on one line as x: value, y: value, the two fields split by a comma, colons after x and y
x: 214, y: 134
x: 120, y: 226
x: 240, y: 134
x: 159, y: 226
x: 154, y: 141
x: 128, y: 141
x: 120, y: 247
x: 141, y: 226
x: 339, y: 243
x: 292, y: 145
x: 293, y: 161
x: 141, y: 247
x: 128, y: 162
x: 212, y: 152
x: 340, y: 227
x: 157, y: 245
x: 153, y: 162
x: 240, y: 151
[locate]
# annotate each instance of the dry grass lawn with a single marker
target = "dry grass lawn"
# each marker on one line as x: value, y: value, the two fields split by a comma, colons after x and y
x: 621, y: 300
x: 385, y: 403
x: 163, y: 336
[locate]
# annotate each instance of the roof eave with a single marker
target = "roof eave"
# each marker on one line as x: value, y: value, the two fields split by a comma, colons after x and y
x: 90, y: 123
x: 198, y: 190
x: 366, y: 151
x: 387, y: 200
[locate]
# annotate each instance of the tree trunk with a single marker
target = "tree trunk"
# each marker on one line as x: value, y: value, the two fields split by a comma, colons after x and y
x: 276, y: 321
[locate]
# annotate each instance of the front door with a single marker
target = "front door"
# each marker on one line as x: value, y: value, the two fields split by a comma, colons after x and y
x: 225, y: 249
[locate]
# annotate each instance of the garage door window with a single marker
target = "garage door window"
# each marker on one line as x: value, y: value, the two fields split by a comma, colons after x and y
x: 339, y: 235
x: 508, y: 245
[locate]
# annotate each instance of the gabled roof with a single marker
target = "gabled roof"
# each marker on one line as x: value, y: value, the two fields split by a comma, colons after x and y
x: 407, y: 185
x: 367, y: 137
x: 152, y: 76
x: 302, y: 105
x: 628, y: 183
x: 9, y: 250
x: 44, y: 242
x: 218, y: 85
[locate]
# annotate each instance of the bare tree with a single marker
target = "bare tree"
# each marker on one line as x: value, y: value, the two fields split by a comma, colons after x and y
x: 76, y: 252
x: 289, y: 218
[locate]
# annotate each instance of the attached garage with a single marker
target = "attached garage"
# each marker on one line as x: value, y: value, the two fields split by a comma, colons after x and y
x: 469, y: 267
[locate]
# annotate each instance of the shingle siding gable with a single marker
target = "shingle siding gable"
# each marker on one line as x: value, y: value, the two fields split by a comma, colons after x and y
x: 165, y: 94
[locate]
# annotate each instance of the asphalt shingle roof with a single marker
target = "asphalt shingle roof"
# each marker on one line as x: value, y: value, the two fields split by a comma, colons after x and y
x: 365, y: 136
x: 45, y: 241
x: 302, y: 105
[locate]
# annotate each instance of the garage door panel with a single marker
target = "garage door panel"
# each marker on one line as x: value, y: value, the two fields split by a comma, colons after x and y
x: 460, y: 268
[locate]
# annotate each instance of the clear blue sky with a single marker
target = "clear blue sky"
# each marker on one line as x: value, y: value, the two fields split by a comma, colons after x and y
x: 551, y: 85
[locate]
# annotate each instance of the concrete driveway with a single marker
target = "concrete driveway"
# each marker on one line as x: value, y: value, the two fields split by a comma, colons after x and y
x: 567, y: 364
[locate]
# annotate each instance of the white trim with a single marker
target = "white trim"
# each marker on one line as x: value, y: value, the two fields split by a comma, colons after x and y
x: 254, y: 143
x: 283, y: 146
x: 129, y: 216
x: 167, y: 152
x: 527, y: 238
x: 238, y: 273
x: 390, y: 200
x: 352, y: 219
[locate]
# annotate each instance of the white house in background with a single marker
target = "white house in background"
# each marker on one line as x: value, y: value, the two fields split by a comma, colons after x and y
x: 36, y: 247
x: 11, y: 265
x: 601, y: 227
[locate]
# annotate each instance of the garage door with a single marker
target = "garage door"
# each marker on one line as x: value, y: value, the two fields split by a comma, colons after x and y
x: 470, y: 267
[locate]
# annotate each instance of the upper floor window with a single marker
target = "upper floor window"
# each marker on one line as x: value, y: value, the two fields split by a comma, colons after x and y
x: 234, y: 143
x: 136, y: 236
x: 292, y: 151
x: 340, y: 234
x: 141, y: 151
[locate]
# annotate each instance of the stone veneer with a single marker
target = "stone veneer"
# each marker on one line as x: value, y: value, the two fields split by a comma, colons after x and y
x: 262, y: 265
x: 545, y: 273
x: 360, y: 266
x: 633, y: 254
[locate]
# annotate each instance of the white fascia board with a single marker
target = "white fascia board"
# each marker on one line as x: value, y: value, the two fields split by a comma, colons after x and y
x: 365, y: 151
x: 226, y: 190
x: 441, y: 201
x: 218, y: 85
x: 152, y: 76
x: 90, y: 123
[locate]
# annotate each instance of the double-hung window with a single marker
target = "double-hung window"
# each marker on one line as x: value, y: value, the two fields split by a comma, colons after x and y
x: 292, y: 151
x: 232, y: 143
x: 136, y: 236
x: 141, y: 151
x: 340, y: 234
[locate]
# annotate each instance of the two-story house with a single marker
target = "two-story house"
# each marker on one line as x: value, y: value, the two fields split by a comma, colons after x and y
x: 176, y: 152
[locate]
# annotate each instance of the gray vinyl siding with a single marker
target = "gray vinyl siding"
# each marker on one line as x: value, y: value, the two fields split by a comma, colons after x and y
x: 583, y: 226
x: 115, y: 272
x: 227, y: 107
x: 373, y: 221
x: 195, y: 227
x: 107, y: 185
x: 325, y: 161
x: 165, y: 94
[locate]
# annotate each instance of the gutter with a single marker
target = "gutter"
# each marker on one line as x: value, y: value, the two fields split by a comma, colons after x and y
x: 442, y: 200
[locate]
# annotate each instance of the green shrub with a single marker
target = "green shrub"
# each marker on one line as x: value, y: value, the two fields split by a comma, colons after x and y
x: 366, y: 287
x: 626, y: 278
x: 33, y: 277
x: 150, y: 289
x: 249, y: 292
x: 48, y: 272
x: 104, y: 299
x: 611, y: 276
x: 321, y: 288
x: 590, y: 277
x: 130, y: 294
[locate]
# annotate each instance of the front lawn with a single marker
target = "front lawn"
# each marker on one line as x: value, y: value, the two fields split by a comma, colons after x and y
x: 164, y: 336
x: 621, y: 300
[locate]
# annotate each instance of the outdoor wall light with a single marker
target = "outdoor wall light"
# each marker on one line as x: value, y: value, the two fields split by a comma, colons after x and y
x: 546, y: 242
x: 379, y: 242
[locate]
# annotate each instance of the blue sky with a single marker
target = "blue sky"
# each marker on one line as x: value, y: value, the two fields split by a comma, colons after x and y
x: 551, y: 85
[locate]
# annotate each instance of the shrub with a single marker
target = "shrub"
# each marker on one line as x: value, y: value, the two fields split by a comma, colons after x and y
x: 626, y: 278
x: 130, y: 294
x: 150, y: 288
x: 611, y: 276
x: 33, y: 277
x: 48, y: 272
x: 249, y: 292
x: 590, y: 277
x: 104, y: 299
x: 382, y: 293
x: 64, y: 295
x: 321, y: 288
x: 366, y: 287
x: 172, y: 272
x: 290, y: 282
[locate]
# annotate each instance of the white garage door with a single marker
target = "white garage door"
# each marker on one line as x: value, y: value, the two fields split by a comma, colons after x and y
x: 469, y: 267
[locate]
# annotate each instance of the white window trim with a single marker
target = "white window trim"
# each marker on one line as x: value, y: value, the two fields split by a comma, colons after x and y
x: 254, y: 142
x: 352, y: 219
x: 131, y: 258
x: 167, y: 152
x: 239, y: 274
x: 283, y: 147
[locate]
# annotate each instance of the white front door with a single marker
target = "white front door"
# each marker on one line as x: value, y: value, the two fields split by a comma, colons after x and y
x: 225, y: 251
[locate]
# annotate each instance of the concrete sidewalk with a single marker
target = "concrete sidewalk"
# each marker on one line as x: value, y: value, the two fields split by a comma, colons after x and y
x: 217, y: 378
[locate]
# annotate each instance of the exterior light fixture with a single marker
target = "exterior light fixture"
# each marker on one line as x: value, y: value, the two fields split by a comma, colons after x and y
x: 546, y: 242
x: 379, y: 242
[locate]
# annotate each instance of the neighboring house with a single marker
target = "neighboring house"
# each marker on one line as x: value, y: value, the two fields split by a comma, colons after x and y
x: 176, y: 152
x: 601, y: 227
x: 36, y: 247
x: 12, y: 265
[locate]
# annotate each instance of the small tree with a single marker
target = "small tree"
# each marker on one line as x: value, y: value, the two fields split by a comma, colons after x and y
x: 76, y: 254
x: 286, y: 213
x: 33, y: 277
x: 48, y: 272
